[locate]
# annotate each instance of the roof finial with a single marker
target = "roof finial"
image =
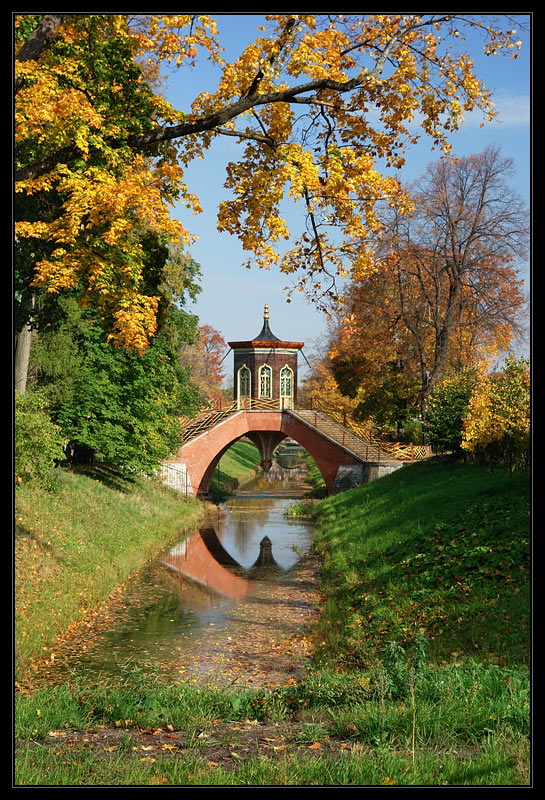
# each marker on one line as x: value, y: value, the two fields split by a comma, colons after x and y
x: 266, y: 313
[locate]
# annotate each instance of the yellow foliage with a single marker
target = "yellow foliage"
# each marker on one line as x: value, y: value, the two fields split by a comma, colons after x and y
x: 331, y: 170
x: 499, y: 409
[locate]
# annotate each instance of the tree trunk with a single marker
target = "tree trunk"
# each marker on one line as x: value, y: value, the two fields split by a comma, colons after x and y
x: 22, y: 358
x: 22, y: 352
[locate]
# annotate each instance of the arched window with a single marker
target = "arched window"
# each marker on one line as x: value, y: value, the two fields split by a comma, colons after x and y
x: 286, y: 387
x: 244, y: 385
x: 265, y: 381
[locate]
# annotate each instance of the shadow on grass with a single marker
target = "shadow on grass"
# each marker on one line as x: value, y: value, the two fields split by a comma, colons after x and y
x: 109, y: 476
x: 440, y: 546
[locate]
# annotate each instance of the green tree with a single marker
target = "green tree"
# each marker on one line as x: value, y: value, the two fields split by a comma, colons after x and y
x: 118, y: 406
x: 38, y: 441
x: 447, y: 408
x: 114, y: 403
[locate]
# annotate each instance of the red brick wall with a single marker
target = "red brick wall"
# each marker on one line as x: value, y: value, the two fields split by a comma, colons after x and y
x: 200, y: 455
x: 254, y: 359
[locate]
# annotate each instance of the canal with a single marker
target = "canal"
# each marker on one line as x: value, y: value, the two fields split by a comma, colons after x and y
x: 231, y: 605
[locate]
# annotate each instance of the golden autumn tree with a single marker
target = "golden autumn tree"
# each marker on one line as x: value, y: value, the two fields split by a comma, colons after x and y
x: 445, y: 292
x: 497, y: 424
x: 315, y: 102
x: 370, y: 355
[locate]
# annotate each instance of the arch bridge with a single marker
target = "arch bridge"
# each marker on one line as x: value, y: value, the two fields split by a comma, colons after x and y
x: 265, y: 410
x: 343, y: 456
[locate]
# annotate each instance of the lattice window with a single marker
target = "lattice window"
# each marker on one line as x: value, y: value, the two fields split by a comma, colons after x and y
x: 244, y: 382
x: 265, y: 381
x: 286, y: 385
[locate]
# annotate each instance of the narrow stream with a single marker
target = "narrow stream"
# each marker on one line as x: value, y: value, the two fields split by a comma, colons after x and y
x: 229, y: 605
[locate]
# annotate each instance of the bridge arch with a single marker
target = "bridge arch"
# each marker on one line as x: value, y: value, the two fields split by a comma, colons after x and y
x: 266, y: 429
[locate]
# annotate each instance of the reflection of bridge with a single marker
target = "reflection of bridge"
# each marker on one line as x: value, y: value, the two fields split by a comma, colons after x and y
x: 336, y: 448
x: 203, y: 559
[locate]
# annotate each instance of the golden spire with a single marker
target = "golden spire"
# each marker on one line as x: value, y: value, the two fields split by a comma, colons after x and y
x: 266, y: 313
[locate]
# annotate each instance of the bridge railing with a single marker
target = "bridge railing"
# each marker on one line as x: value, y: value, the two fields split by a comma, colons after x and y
x: 207, y: 418
x: 401, y: 451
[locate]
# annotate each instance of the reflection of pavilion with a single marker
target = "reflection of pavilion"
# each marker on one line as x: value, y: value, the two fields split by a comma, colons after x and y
x: 203, y: 559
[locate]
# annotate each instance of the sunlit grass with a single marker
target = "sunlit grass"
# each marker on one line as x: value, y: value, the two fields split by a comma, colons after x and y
x: 74, y: 546
x: 237, y: 466
x: 437, y: 548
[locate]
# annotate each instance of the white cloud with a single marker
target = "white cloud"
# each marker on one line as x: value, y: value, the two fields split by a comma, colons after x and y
x: 513, y: 110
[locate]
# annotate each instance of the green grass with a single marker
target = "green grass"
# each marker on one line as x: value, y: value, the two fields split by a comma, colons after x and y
x: 75, y: 545
x: 314, y: 477
x: 464, y: 724
x: 82, y: 767
x: 434, y: 547
x: 421, y: 674
x: 237, y: 466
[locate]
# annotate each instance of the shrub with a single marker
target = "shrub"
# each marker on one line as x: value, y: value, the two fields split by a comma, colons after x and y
x: 447, y: 407
x: 38, y: 441
x: 497, y: 424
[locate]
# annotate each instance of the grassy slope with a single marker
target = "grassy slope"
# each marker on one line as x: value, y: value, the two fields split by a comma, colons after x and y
x: 438, y: 548
x: 75, y: 545
x: 237, y: 466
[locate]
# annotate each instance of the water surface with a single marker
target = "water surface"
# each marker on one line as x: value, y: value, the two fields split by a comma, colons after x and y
x: 229, y: 604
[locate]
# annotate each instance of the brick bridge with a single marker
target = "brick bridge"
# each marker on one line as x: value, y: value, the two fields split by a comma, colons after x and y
x: 265, y: 410
x: 338, y: 451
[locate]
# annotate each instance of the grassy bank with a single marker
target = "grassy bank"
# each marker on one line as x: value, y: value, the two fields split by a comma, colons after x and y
x: 435, y: 548
x: 73, y: 546
x: 421, y: 673
x: 314, y: 477
x: 237, y: 466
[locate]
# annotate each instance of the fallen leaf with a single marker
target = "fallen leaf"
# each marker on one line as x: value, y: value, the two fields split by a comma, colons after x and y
x: 314, y: 746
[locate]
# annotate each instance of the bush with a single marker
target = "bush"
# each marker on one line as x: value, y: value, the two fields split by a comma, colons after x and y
x: 447, y: 407
x: 497, y: 424
x: 38, y: 441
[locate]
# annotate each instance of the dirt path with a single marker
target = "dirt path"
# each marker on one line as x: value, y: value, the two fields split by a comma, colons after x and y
x: 222, y: 744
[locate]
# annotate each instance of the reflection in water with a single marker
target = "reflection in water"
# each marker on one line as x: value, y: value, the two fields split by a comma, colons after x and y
x: 201, y: 559
x: 229, y: 571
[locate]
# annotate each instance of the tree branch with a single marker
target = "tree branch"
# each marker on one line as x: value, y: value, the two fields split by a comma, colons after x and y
x: 218, y: 118
x: 38, y: 40
x: 283, y: 39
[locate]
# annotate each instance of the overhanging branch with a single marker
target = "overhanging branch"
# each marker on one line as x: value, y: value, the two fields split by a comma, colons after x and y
x: 216, y: 120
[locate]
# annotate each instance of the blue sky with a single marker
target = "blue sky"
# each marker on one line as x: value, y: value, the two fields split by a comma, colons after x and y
x: 233, y: 297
